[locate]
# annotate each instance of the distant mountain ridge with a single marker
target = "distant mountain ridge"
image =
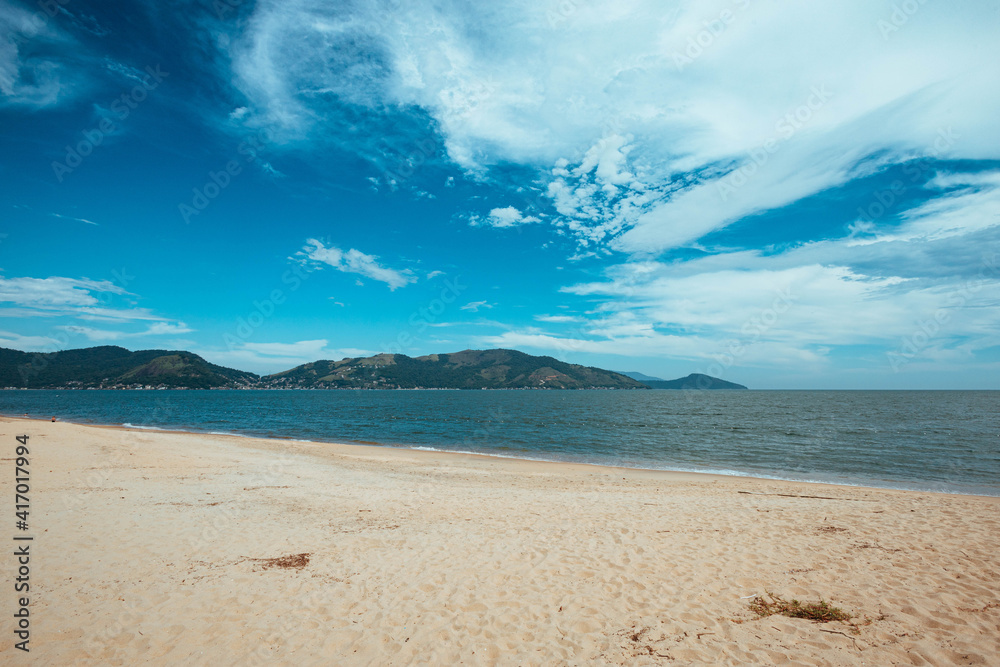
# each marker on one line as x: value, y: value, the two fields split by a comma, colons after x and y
x: 641, y: 377
x: 468, y: 369
x: 113, y: 367
x: 696, y: 381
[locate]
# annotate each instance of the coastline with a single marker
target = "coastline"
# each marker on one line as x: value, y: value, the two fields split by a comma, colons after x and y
x: 180, y: 547
x: 726, y: 474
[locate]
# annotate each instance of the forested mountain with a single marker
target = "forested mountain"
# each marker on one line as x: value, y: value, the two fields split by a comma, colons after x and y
x: 110, y: 366
x: 694, y: 381
x: 469, y: 369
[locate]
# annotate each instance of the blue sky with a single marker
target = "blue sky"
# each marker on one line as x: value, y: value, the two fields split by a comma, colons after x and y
x: 787, y: 196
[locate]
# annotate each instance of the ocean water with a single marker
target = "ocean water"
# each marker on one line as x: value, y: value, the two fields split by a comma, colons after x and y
x: 938, y: 441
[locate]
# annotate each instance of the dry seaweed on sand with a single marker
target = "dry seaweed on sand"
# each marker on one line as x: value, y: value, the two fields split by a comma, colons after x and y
x: 820, y: 612
x: 290, y: 562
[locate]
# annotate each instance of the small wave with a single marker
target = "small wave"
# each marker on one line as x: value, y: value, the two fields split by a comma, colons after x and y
x: 145, y: 428
x: 727, y: 472
x: 491, y: 454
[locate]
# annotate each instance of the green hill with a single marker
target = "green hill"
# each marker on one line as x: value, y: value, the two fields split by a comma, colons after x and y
x: 110, y: 366
x: 694, y: 381
x: 469, y: 369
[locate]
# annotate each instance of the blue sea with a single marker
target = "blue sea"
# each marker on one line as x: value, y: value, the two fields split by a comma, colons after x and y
x: 926, y: 440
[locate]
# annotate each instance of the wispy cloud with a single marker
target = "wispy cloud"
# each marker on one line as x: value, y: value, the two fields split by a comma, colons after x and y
x: 936, y: 277
x: 105, y: 335
x: 310, y: 350
x: 632, y: 150
x: 69, y: 217
x: 355, y: 261
x: 475, y: 306
x: 507, y: 216
x: 267, y: 358
x: 34, y: 50
x: 558, y: 319
x: 16, y: 341
x: 55, y: 291
x: 79, y: 298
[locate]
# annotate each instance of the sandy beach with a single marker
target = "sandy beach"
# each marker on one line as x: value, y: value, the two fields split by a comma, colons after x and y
x: 171, y: 548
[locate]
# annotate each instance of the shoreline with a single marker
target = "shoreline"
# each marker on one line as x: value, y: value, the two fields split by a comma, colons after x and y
x: 185, y: 548
x: 735, y: 475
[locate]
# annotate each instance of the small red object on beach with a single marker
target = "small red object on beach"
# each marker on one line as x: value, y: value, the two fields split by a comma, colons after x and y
x: 53, y: 419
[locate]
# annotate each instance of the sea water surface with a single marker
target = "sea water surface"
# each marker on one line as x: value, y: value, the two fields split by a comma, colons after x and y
x: 926, y: 440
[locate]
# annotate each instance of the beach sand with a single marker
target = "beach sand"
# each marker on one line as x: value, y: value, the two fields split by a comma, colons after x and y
x: 171, y: 548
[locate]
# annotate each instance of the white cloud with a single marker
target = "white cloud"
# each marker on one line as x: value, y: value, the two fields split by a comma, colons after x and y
x: 55, y: 291
x: 311, y: 350
x: 81, y: 299
x: 115, y: 314
x: 92, y: 334
x: 628, y: 145
x: 355, y: 261
x: 166, y: 329
x: 265, y: 358
x: 792, y: 310
x: 969, y: 203
x: 32, y: 77
x: 16, y: 341
x: 474, y: 306
x: 69, y: 217
x: 105, y: 335
x: 507, y: 216
x: 558, y: 319
x: 930, y: 287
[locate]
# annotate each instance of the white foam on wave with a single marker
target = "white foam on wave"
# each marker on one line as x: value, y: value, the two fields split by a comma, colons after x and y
x: 913, y: 486
x: 144, y: 428
x: 490, y: 454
